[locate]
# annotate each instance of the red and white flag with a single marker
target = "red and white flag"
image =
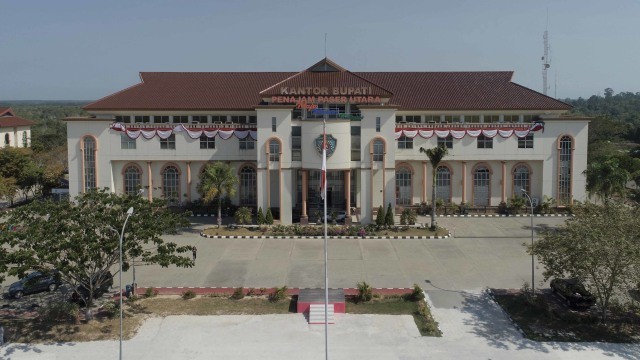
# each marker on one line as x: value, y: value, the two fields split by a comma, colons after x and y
x: 323, y: 175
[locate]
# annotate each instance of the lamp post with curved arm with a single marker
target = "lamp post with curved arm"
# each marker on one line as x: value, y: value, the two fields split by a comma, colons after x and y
x: 533, y: 285
x: 129, y: 213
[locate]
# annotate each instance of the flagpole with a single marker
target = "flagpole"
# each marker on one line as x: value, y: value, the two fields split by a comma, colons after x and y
x: 326, y: 273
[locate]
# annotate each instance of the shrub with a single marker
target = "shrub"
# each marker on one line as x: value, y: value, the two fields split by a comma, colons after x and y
x: 238, y: 293
x: 408, y: 217
x: 242, y: 216
x: 380, y: 217
x: 365, y: 292
x: 502, y: 208
x: 188, y: 295
x: 260, y: 217
x: 278, y: 294
x: 517, y: 202
x: 111, y: 309
x: 268, y: 219
x: 388, y: 220
x: 439, y: 205
x: 59, y: 311
x: 417, y: 294
x: 150, y: 292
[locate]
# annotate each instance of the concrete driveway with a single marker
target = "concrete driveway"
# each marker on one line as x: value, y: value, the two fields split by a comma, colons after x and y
x: 484, y: 252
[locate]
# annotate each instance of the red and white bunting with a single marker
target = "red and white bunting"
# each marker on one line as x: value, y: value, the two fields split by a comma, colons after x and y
x: 459, y: 134
x: 194, y: 133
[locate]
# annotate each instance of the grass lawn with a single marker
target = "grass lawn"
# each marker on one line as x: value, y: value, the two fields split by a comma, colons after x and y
x: 398, y: 306
x: 548, y: 320
x: 224, y: 231
x: 103, y: 327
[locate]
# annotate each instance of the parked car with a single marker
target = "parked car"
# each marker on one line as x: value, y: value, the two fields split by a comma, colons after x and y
x: 35, y: 282
x: 573, y: 292
x: 81, y: 293
x: 341, y: 217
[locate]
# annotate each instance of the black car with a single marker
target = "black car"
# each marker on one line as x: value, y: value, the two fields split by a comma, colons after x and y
x: 35, y: 282
x: 81, y: 293
x: 573, y: 293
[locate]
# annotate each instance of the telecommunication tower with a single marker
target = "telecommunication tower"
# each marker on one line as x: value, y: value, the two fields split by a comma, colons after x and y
x: 546, y: 61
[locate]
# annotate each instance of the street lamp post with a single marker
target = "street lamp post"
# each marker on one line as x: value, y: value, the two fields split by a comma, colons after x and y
x: 129, y: 213
x: 533, y: 285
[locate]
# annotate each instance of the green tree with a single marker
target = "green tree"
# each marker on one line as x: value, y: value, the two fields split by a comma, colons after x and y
x: 216, y: 181
x: 388, y: 217
x: 80, y: 238
x: 380, y: 217
x: 8, y: 189
x: 268, y: 219
x: 260, y: 217
x: 605, y: 179
x: 242, y: 216
x: 435, y: 155
x: 598, y: 246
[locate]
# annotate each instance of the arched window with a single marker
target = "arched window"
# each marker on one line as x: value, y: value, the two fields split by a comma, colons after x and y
x: 171, y: 184
x: 274, y: 150
x: 378, y: 150
x: 132, y: 180
x: 248, y: 186
x: 89, y: 162
x: 7, y: 141
x: 521, y: 180
x: 565, y: 150
x: 481, y: 186
x: 443, y: 184
x: 24, y: 139
x: 403, y: 186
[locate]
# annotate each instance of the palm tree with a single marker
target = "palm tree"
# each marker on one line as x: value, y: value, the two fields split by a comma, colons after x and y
x: 217, y: 179
x: 606, y: 178
x: 435, y: 155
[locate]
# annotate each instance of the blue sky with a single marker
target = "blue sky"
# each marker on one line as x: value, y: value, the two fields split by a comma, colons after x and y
x: 68, y: 50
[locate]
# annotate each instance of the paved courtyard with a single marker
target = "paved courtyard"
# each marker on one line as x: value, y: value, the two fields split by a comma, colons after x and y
x: 484, y: 252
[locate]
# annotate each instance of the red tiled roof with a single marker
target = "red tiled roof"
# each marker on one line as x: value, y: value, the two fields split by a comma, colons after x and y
x: 5, y: 110
x: 13, y: 121
x: 411, y: 90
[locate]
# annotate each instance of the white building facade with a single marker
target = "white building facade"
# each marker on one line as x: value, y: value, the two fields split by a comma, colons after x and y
x: 14, y: 130
x: 501, y: 138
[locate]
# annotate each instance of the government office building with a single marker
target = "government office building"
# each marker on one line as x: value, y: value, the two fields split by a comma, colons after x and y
x: 501, y: 137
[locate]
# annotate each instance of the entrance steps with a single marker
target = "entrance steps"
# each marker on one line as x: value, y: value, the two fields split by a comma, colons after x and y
x: 316, y: 314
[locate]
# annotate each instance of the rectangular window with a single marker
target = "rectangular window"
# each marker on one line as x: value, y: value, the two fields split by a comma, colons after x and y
x: 491, y: 118
x: 472, y: 119
x: 126, y: 142
x: 405, y: 142
x: 412, y: 118
x: 239, y: 119
x: 446, y: 142
x: 296, y: 114
x: 452, y: 118
x: 378, y: 124
x: 530, y: 118
x: 182, y: 119
x: 526, y: 142
x: 168, y: 143
x: 432, y: 119
x: 355, y: 143
x: 160, y: 119
x: 24, y: 139
x: 207, y: 142
x: 485, y: 142
x: 253, y: 119
x: 247, y: 143
x: 511, y: 118
x: 143, y: 119
x: 199, y: 119
x: 219, y: 118
x: 123, y: 119
x: 398, y: 119
x: 273, y: 124
x: 296, y: 143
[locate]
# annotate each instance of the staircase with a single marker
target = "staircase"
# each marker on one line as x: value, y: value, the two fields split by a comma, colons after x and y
x: 316, y: 314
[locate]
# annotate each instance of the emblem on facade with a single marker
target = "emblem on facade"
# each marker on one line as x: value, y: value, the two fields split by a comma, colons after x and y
x: 332, y: 143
